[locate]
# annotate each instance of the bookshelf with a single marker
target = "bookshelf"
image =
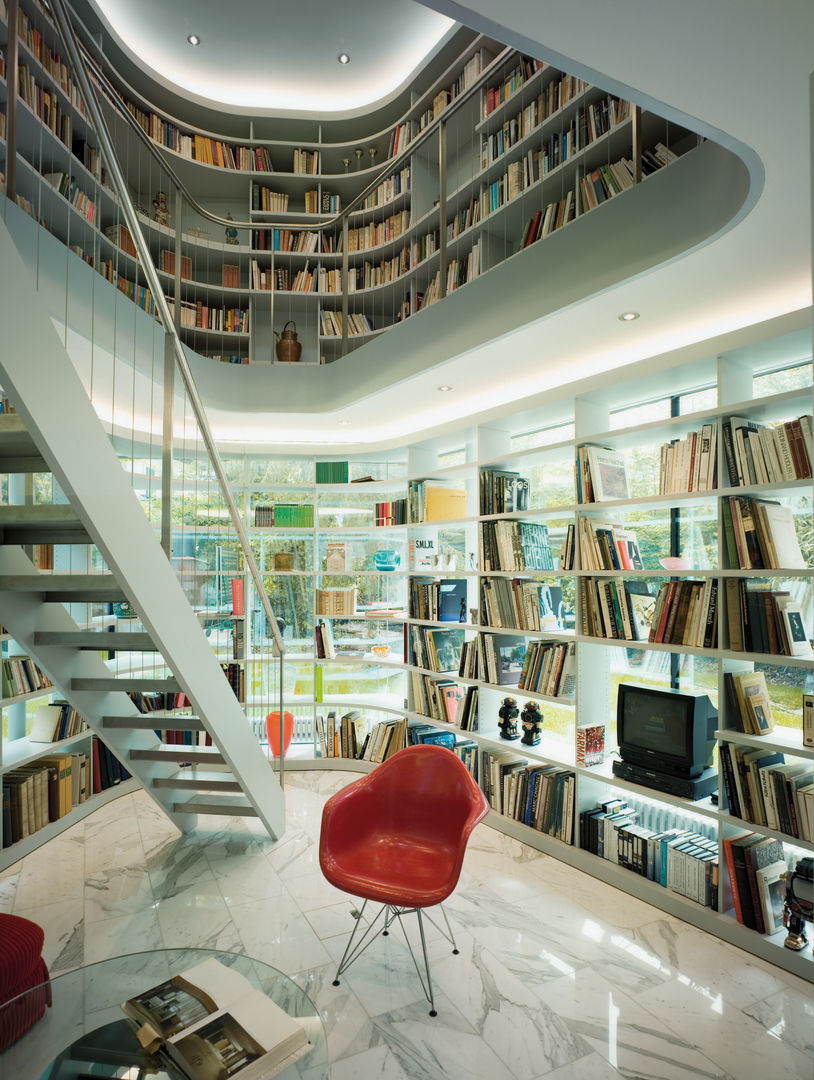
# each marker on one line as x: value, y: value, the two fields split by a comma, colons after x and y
x: 390, y: 686
x: 547, y: 137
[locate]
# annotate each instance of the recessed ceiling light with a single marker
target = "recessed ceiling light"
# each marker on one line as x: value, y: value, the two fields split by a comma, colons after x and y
x: 343, y: 58
x: 344, y: 423
x: 193, y: 39
x: 443, y: 388
x: 628, y: 316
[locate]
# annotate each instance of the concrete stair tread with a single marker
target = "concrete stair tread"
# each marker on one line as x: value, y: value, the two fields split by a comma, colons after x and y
x: 24, y: 514
x: 164, y: 721
x: 160, y: 684
x: 227, y: 805
x: 97, y: 640
x: 199, y: 780
x: 178, y: 752
x: 18, y: 451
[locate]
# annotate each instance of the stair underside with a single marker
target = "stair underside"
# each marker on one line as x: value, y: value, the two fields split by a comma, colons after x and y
x: 228, y: 805
x: 18, y: 451
x: 211, y: 755
x: 199, y: 780
x: 56, y: 523
x: 95, y: 640
x: 151, y: 721
x: 159, y: 684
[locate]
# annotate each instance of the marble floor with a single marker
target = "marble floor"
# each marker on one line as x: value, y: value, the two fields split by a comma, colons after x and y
x: 559, y: 976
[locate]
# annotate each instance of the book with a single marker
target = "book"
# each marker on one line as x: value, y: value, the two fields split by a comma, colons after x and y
x: 608, y: 473
x: 335, y: 556
x: 212, y: 1023
x: 772, y: 893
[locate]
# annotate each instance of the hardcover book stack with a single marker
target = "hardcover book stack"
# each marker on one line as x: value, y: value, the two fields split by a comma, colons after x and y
x: 756, y: 454
x: 20, y: 675
x: 690, y: 464
x: 526, y: 605
x: 439, y: 699
x: 755, y: 865
x: 605, y: 546
x: 549, y: 669
x: 493, y: 658
x: 44, y: 791
x: 538, y: 795
x: 438, y: 601
x: 760, y: 534
x: 686, y: 614
x: 761, y: 787
x: 764, y: 620
x: 331, y: 472
x: 437, y: 650
x: 679, y: 859
x: 515, y: 546
x: 616, y: 609
x: 336, y: 601
x: 502, y: 492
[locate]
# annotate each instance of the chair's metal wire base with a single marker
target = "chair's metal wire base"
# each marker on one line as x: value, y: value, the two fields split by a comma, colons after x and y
x: 391, y: 913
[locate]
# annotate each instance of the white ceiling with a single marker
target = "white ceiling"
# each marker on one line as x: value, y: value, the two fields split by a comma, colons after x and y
x: 740, y: 70
x: 274, y: 56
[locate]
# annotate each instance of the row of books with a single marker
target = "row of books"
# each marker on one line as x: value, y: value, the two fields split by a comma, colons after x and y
x: 139, y: 294
x: 603, y: 545
x: 492, y: 658
x: 283, y: 279
x: 347, y: 736
x: 756, y: 454
x: 292, y: 240
x: 338, y: 601
x: 389, y: 189
x: 305, y: 161
x: 682, y: 860
x: 502, y: 492
x: 390, y: 512
x: 512, y: 603
x: 166, y: 262
x: 370, y: 275
x: 460, y: 271
x: 376, y: 233
x: 324, y: 640
x: 236, y: 677
x: 438, y: 699
x: 764, y: 620
x: 288, y: 515
x: 686, y: 614
x: 201, y: 316
x: 756, y: 865
x: 553, y: 96
x: 614, y: 609
x: 268, y: 201
x: 763, y: 789
x: 399, y: 138
x: 549, y: 669
x: 45, y: 104
x: 748, y: 706
x: 690, y: 464
x: 438, y: 601
x: 538, y: 795
x: 515, y: 546
x: 48, y: 789
x: 601, y: 474
x: 20, y: 675
x: 331, y: 323
x: 55, y: 722
x: 425, y: 246
x: 331, y: 472
x: 69, y: 189
x: 322, y: 202
x: 183, y: 737
x: 465, y: 218
x: 51, y: 61
x: 435, y: 500
x: 760, y: 534
x: 436, y: 650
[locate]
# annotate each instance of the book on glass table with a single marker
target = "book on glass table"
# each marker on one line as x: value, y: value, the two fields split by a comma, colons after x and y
x: 212, y: 1024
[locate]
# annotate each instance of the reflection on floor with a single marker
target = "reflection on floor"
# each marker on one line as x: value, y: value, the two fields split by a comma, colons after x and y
x: 559, y: 976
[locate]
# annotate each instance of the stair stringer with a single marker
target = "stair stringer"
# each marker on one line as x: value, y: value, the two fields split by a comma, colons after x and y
x: 37, y: 372
x: 24, y: 614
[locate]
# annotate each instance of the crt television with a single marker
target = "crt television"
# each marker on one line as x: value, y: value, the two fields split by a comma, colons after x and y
x: 671, y: 731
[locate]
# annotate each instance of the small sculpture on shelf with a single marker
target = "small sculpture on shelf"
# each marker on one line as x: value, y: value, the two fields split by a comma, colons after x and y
x: 508, y: 713
x: 231, y: 231
x: 532, y: 721
x: 161, y: 212
x: 799, y: 903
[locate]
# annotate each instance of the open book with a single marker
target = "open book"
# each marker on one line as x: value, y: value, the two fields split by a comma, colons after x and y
x: 214, y: 1025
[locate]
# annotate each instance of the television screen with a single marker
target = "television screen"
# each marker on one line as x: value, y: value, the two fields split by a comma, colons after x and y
x: 666, y: 729
x: 656, y: 722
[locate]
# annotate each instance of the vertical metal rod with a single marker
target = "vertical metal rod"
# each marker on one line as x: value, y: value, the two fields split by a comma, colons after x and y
x: 637, y: 144
x: 426, y: 962
x: 12, y: 85
x: 166, y: 443
x: 442, y: 208
x: 675, y: 551
x: 282, y: 727
x: 272, y: 287
x: 344, y: 286
x: 179, y: 214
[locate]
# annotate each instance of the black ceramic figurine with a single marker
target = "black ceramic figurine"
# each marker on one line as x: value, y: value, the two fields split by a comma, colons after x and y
x: 508, y: 713
x: 532, y: 721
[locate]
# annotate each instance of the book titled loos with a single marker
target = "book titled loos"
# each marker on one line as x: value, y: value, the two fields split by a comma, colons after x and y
x: 212, y: 1023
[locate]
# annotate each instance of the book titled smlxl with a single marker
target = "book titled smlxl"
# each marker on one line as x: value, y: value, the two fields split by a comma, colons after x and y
x: 214, y: 1025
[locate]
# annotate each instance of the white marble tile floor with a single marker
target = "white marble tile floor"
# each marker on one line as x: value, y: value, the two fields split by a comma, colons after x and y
x: 559, y: 976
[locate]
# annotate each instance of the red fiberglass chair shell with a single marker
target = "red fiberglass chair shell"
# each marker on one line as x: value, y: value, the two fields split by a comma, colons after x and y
x: 398, y: 835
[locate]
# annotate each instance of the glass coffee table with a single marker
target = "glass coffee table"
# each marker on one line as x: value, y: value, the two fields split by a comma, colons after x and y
x: 85, y: 1033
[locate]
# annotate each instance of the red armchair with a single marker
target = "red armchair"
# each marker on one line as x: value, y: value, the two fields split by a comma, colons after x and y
x: 397, y: 836
x: 21, y: 969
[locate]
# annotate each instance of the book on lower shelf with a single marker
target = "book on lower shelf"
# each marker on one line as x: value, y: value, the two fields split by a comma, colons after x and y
x: 210, y: 1022
x: 764, y: 620
x: 42, y: 792
x: 761, y: 787
x: 755, y: 865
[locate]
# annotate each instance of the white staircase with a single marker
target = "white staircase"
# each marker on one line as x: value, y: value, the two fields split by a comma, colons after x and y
x: 57, y: 430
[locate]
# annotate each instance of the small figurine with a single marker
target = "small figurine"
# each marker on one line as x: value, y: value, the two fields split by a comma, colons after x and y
x: 231, y: 231
x: 508, y: 713
x: 532, y: 721
x: 473, y: 616
x: 161, y: 212
x: 462, y: 612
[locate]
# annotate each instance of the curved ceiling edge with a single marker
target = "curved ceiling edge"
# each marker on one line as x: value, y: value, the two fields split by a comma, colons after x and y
x: 708, y: 191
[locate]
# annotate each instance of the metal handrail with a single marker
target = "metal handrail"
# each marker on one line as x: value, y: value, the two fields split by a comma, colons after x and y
x: 72, y: 48
x: 391, y: 165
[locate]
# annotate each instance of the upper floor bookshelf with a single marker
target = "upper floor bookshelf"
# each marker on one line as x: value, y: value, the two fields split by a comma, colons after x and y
x: 474, y: 181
